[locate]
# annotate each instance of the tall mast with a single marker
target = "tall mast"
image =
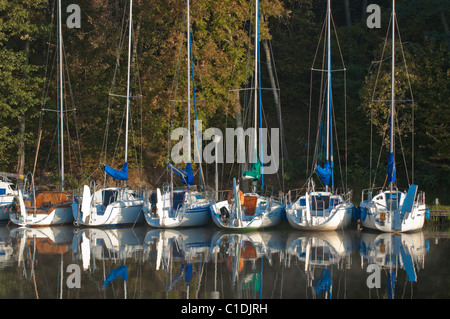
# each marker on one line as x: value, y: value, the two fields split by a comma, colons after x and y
x: 61, y: 99
x: 256, y: 75
x: 329, y: 153
x: 391, y: 145
x: 128, y: 80
x: 128, y: 85
x: 189, y: 82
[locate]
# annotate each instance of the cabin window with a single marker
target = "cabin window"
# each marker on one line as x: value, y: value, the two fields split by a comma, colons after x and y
x: 320, y: 202
x: 109, y: 196
x: 334, y: 202
x: 2, y: 191
x: 178, y: 199
x: 393, y: 200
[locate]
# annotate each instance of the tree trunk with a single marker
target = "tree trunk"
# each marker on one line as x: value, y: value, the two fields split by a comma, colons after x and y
x: 446, y: 29
x: 244, y: 185
x: 348, y: 17
x: 276, y: 97
x: 364, y: 9
x: 21, y: 146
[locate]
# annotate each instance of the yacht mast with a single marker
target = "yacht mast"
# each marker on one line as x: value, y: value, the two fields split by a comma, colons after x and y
x: 189, y: 81
x: 61, y: 98
x: 329, y: 154
x: 391, y: 145
x: 128, y: 84
x: 256, y: 76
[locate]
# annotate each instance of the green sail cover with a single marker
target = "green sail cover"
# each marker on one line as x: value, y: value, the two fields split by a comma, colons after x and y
x: 255, y: 171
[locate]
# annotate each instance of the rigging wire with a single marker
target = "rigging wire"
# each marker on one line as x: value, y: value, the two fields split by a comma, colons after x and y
x: 111, y: 90
x: 392, y: 24
x: 310, y: 97
x: 320, y: 135
x: 68, y: 83
x: 412, y: 105
x: 137, y: 146
x: 202, y: 181
x: 47, y: 86
x: 371, y: 110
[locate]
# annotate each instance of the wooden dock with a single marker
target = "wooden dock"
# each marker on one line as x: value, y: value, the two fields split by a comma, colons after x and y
x: 439, y: 216
x: 439, y: 213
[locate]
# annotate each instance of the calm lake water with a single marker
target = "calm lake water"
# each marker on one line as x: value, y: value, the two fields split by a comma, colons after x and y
x: 203, y: 263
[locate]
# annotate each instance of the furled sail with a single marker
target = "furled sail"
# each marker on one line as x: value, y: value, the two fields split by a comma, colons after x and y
x: 325, y: 173
x: 120, y: 175
x: 255, y: 171
x: 187, y: 176
x: 391, y: 168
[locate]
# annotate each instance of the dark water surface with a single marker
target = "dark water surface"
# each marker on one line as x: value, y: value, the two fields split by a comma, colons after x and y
x: 203, y: 263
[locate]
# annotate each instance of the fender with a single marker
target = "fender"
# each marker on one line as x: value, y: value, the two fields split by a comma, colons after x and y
x: 86, y: 203
x: 231, y: 195
x: 159, y: 201
x: 23, y: 210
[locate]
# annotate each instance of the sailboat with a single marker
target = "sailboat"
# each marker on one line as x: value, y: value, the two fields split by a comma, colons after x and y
x: 182, y: 207
x: 316, y: 209
x: 393, y: 210
x: 249, y: 210
x: 7, y: 194
x: 47, y: 207
x: 112, y: 205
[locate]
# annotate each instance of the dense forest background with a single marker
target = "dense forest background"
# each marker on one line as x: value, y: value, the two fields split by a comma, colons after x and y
x: 95, y: 67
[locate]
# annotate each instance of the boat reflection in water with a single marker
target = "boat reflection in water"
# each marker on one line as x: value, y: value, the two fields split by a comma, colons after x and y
x: 209, y: 263
x: 323, y: 254
x: 396, y: 255
x: 33, y: 248
x: 180, y: 254
x: 105, y: 252
x: 6, y: 248
x: 245, y: 255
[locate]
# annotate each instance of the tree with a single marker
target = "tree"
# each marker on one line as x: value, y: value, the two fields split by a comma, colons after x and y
x: 22, y: 26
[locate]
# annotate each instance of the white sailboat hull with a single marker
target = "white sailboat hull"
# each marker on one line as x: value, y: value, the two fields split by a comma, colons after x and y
x: 125, y: 209
x: 6, y: 199
x: 57, y: 216
x: 44, y: 213
x: 268, y: 213
x: 119, y: 213
x: 196, y: 216
x: 381, y: 219
x: 333, y: 217
x: 6, y: 202
x: 194, y: 211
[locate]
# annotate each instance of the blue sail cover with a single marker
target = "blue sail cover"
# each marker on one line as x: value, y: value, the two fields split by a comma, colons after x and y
x: 116, y: 273
x: 391, y: 168
x: 324, y: 283
x: 120, y: 175
x: 324, y: 173
x: 187, y: 176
